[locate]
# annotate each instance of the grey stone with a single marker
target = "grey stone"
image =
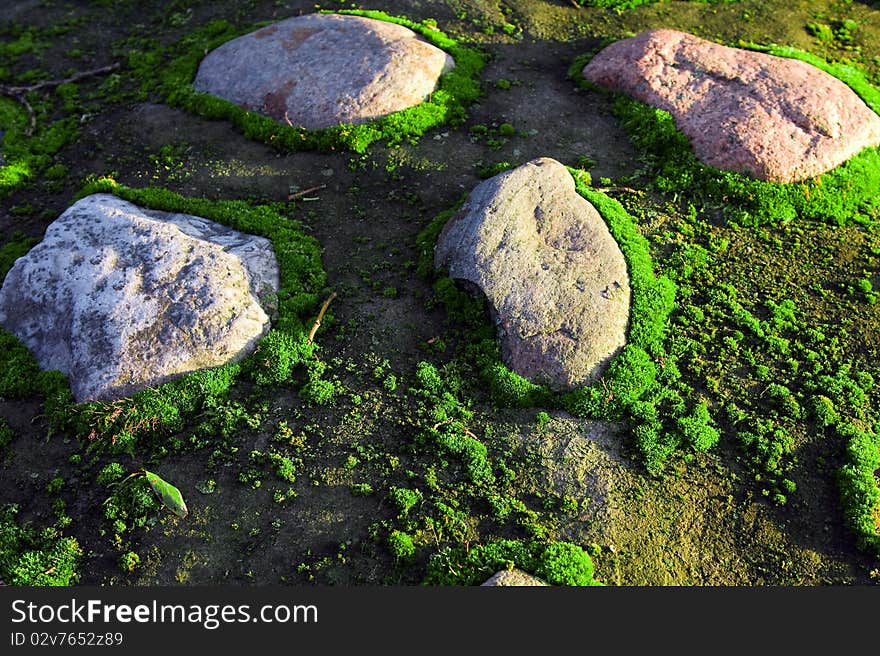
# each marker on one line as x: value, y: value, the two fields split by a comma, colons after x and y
x: 555, y: 279
x: 321, y: 70
x: 513, y: 577
x: 121, y: 298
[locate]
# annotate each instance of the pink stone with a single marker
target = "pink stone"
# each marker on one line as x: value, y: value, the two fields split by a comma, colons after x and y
x: 773, y: 118
x: 322, y: 70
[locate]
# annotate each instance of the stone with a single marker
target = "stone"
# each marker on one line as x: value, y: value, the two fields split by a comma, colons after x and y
x: 322, y: 70
x: 121, y: 298
x: 512, y: 577
x: 773, y: 118
x: 555, y: 280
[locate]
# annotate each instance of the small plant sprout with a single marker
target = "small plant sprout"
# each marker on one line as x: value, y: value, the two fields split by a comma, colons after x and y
x: 169, y: 495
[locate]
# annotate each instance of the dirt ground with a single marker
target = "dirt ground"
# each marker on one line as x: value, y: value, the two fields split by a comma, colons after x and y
x: 701, y: 525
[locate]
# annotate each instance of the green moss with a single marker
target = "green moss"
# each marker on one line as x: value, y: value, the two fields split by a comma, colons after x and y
x: 110, y: 474
x: 456, y: 90
x: 129, y: 561
x: 25, y: 156
x: 401, y: 545
x: 36, y: 558
x: 557, y: 563
x: 404, y: 499
x: 859, y: 486
x: 132, y: 504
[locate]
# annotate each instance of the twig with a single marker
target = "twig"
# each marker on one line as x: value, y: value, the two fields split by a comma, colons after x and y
x: 630, y: 190
x: 442, y: 423
x: 317, y: 323
x: 302, y: 193
x: 19, y: 92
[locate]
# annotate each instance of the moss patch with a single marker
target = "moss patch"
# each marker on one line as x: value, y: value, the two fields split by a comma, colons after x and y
x: 26, y: 156
x: 31, y: 557
x: 557, y: 563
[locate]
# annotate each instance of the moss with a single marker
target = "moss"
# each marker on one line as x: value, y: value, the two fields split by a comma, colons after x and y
x: 26, y: 156
x: 404, y: 499
x: 557, y: 563
x: 859, y: 486
x: 401, y: 545
x: 36, y: 558
x: 112, y: 473
x: 456, y: 90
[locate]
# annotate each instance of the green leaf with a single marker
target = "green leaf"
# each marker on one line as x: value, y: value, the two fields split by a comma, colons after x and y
x: 168, y: 494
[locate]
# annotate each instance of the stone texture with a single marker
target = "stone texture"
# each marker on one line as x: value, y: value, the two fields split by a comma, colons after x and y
x: 555, y: 279
x: 770, y: 117
x: 121, y: 298
x: 513, y: 577
x: 321, y: 70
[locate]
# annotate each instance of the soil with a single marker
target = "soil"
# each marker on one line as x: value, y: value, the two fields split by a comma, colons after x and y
x: 701, y: 524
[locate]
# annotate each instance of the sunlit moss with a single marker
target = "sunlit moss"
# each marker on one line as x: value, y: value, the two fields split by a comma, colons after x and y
x: 456, y: 90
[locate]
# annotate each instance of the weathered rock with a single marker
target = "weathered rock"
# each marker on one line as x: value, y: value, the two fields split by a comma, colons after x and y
x: 321, y: 70
x: 513, y: 577
x: 555, y: 279
x: 121, y: 298
x: 773, y: 118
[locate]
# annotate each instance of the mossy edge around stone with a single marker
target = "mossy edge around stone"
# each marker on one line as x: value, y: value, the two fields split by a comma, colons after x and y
x: 165, y: 408
x: 456, y: 90
x: 844, y: 195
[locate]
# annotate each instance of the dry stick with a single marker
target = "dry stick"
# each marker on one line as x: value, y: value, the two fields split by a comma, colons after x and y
x: 302, y: 193
x: 605, y: 190
x: 471, y: 435
x: 317, y: 323
x: 18, y: 92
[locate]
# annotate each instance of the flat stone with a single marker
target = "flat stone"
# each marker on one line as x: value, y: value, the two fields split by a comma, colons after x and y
x: 121, y: 298
x: 321, y: 70
x: 554, y: 278
x: 773, y: 118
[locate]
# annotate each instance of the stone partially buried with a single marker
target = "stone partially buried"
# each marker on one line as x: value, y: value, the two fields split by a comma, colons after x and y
x: 555, y: 279
x: 322, y: 70
x: 512, y: 577
x: 121, y: 298
x: 773, y: 118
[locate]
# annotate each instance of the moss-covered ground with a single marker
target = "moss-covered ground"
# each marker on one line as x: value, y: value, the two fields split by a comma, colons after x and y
x: 736, y: 444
